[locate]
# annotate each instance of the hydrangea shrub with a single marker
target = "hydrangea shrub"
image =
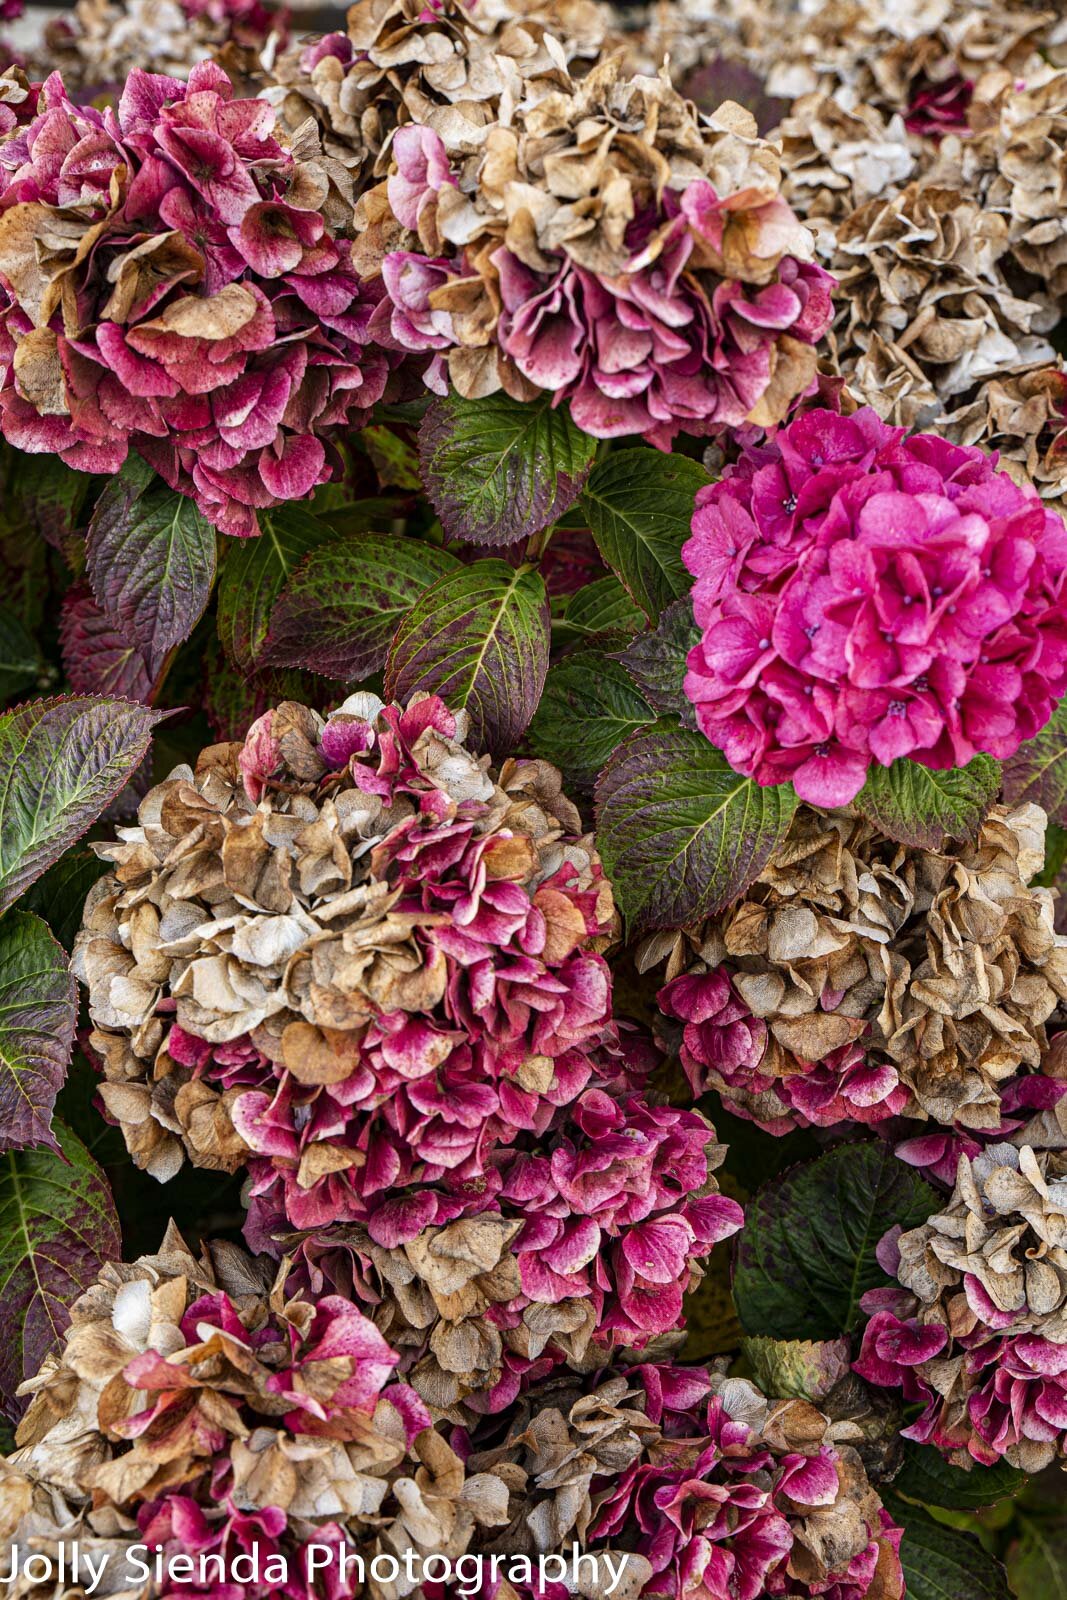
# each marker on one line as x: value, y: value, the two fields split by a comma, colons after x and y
x: 533, y: 801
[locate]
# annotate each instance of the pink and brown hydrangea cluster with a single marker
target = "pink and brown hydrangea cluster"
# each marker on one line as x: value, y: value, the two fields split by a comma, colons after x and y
x: 191, y: 304
x: 603, y: 245
x: 584, y: 1244
x: 975, y: 1332
x: 864, y: 595
x: 351, y: 957
x: 199, y: 1405
x: 746, y: 1497
x: 861, y: 980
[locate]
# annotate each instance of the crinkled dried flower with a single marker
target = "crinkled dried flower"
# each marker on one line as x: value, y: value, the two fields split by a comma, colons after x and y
x: 864, y: 595
x: 747, y: 1496
x: 606, y: 245
x: 349, y: 955
x: 928, y: 306
x: 199, y: 1406
x: 98, y: 43
x: 858, y: 979
x: 169, y: 285
x: 977, y: 1332
x: 445, y: 65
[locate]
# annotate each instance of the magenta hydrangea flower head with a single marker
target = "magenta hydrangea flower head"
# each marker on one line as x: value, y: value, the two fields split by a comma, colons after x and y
x: 569, y: 1247
x: 976, y: 1329
x: 382, y: 962
x: 748, y: 1497
x: 204, y: 1406
x: 679, y: 292
x: 197, y: 307
x: 864, y: 595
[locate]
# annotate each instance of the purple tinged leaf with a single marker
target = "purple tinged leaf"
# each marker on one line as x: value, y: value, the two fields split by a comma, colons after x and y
x: 341, y: 607
x: 588, y: 707
x: 1038, y: 769
x: 599, y: 613
x: 928, y: 1477
x: 941, y: 1563
x: 234, y: 699
x: 254, y: 573
x: 51, y: 496
x: 57, y: 1229
x: 62, y: 762
x: 479, y: 638
x: 98, y: 657
x: 656, y: 661
x: 38, y: 1013
x: 681, y: 833
x: 498, y: 470
x: 151, y: 564
x: 721, y: 79
x: 923, y: 807
x: 20, y: 661
x: 395, y: 460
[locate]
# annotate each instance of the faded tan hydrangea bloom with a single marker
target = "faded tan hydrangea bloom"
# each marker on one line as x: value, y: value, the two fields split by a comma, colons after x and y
x: 450, y: 69
x: 286, y: 1403
x: 944, y: 963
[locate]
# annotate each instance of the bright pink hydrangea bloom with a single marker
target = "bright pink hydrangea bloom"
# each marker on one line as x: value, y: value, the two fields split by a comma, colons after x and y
x: 724, y: 1047
x: 717, y: 1511
x: 221, y: 330
x: 865, y: 595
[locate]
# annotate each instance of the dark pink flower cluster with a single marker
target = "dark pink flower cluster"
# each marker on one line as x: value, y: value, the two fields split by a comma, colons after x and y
x: 398, y: 1141
x: 616, y: 1204
x: 652, y: 348
x: 200, y: 311
x: 1016, y: 1383
x: 937, y: 108
x: 616, y: 1211
x: 177, y: 1526
x: 724, y: 1047
x: 718, y: 1509
x: 865, y: 595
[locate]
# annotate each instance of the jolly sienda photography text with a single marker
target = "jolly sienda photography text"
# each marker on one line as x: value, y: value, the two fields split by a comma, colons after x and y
x: 78, y: 1564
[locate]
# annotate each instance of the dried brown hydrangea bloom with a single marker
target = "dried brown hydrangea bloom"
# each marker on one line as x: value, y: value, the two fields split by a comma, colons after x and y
x: 978, y: 1327
x: 926, y: 312
x: 861, y: 978
x: 1005, y: 1229
x: 97, y: 43
x: 560, y: 1437
x: 906, y: 56
x: 1012, y: 160
x: 446, y: 67
x: 1024, y: 419
x: 197, y: 1404
x: 836, y: 158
